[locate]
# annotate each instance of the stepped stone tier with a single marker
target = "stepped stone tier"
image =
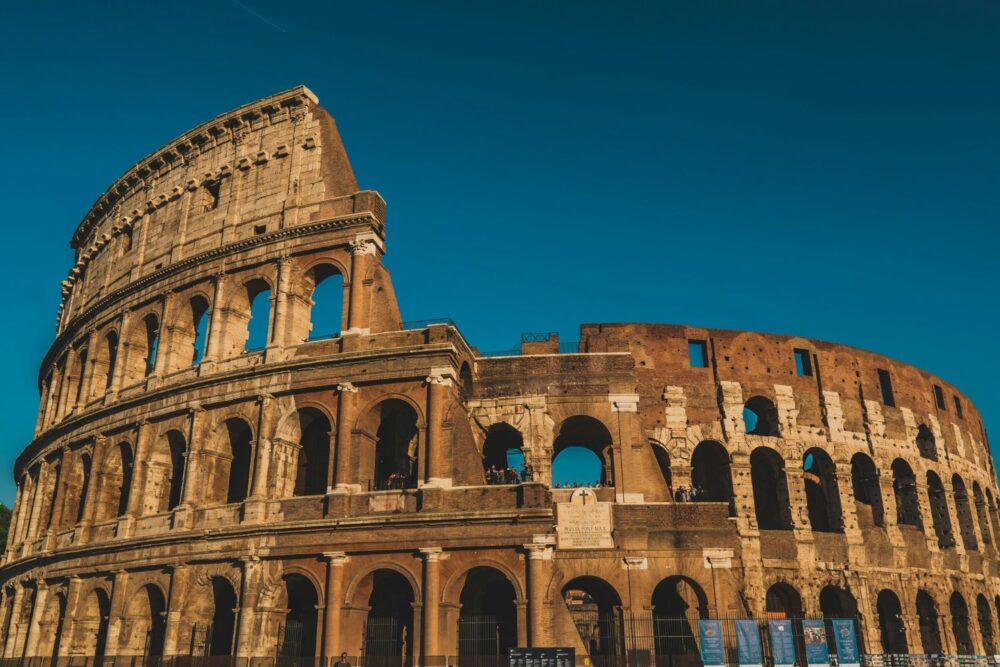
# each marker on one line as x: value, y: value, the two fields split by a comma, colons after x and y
x: 216, y: 471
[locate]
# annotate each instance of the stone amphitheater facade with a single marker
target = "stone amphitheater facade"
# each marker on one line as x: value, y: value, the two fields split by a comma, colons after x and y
x: 187, y: 492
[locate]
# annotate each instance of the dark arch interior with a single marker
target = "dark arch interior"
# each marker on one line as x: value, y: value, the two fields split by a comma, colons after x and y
x: 223, y: 617
x: 761, y: 417
x: 677, y: 603
x: 822, y: 492
x: 927, y: 618
x: 960, y: 624
x: 241, y: 450
x: 867, y: 492
x: 487, y: 624
x: 890, y: 621
x: 389, y: 626
x: 939, y: 511
x: 588, y: 433
x: 770, y: 490
x: 710, y: 473
x: 396, y: 445
x: 314, y: 453
x: 596, y: 611
x: 926, y: 445
x: 299, y: 632
x: 904, y: 487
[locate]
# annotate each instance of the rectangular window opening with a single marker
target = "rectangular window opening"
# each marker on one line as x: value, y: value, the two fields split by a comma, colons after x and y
x: 939, y: 398
x: 697, y: 354
x: 885, y: 385
x: 803, y: 363
x: 958, y: 406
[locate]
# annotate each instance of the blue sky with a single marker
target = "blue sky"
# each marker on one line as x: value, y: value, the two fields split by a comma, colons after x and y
x: 822, y: 168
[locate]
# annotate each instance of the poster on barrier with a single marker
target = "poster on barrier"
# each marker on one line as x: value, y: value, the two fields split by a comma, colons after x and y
x: 748, y: 643
x: 814, y: 637
x: 847, y: 642
x: 713, y: 653
x: 782, y: 642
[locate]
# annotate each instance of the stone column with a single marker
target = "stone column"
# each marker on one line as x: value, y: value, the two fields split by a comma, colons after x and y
x: 341, y: 460
x: 438, y: 383
x: 175, y: 602
x: 364, y: 247
x: 31, y: 642
x: 431, y: 602
x: 335, y: 562
x: 538, y: 561
x: 244, y: 628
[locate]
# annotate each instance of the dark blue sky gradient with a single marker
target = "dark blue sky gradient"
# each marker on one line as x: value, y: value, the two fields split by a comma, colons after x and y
x: 828, y: 169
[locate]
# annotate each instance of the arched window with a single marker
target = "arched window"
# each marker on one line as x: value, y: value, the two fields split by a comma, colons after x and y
x: 710, y: 473
x: 258, y: 294
x: 314, y: 453
x: 770, y: 490
x: 241, y: 456
x: 487, y: 621
x: 678, y: 603
x: 904, y: 488
x: 867, y: 491
x: 326, y: 302
x: 890, y: 622
x: 960, y: 624
x: 965, y: 523
x: 299, y: 630
x: 925, y: 443
x: 223, y: 617
x: 503, y: 448
x: 985, y: 618
x: 389, y: 625
x: 927, y: 617
x: 761, y: 417
x: 939, y: 511
x: 595, y: 608
x: 822, y: 492
x: 580, y: 440
x: 981, y: 513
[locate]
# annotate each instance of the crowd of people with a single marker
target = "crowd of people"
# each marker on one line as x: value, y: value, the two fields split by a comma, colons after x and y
x: 686, y: 495
x: 510, y: 475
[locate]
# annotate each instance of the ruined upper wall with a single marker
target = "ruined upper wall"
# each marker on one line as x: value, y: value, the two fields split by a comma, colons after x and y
x: 269, y: 164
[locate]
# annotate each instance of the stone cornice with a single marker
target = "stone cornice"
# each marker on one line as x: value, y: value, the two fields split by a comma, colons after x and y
x: 176, y: 152
x: 72, y: 329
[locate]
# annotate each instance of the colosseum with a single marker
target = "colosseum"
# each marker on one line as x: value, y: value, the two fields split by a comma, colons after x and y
x: 242, y: 450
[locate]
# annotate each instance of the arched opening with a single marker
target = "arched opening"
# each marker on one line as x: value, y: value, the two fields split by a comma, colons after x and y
x: 761, y: 417
x: 389, y: 625
x: 926, y: 445
x: 146, y: 622
x: 678, y: 603
x: 91, y: 624
x: 985, y: 618
x: 326, y: 302
x: 114, y: 490
x: 663, y: 463
x: 503, y: 454
x: 904, y: 488
x: 982, y: 513
x: 258, y: 323
x: 867, y: 491
x: 573, y: 467
x: 822, y: 492
x: 770, y: 490
x: 927, y: 617
x: 710, y: 473
x: 595, y: 608
x: 960, y: 624
x: 240, y: 460
x: 396, y: 445
x: 939, y: 511
x: 835, y: 602
x: 299, y: 631
x: 487, y: 621
x: 223, y: 617
x: 890, y: 622
x: 314, y: 453
x: 964, y: 511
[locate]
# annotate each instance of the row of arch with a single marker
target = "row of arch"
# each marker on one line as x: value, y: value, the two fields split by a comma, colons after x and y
x: 161, y: 342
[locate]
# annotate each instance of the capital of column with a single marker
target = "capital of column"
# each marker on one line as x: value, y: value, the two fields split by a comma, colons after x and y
x: 346, y: 387
x: 431, y: 554
x: 336, y: 558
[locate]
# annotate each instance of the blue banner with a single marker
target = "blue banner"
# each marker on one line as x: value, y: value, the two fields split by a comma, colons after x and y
x: 814, y: 637
x: 713, y: 652
x: 782, y: 642
x: 847, y: 642
x: 748, y: 643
